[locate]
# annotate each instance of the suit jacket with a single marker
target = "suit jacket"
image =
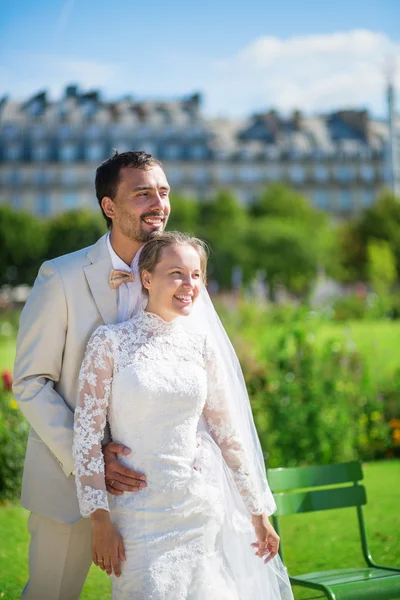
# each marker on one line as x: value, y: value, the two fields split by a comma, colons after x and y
x: 71, y: 297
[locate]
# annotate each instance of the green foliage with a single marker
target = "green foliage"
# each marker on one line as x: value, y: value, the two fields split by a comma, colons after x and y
x: 280, y: 234
x: 381, y: 266
x: 184, y: 214
x: 380, y: 222
x: 23, y: 242
x: 313, y: 403
x: 72, y: 231
x: 350, y: 307
x: 280, y: 201
x: 224, y: 225
x: 13, y: 436
x: 287, y: 252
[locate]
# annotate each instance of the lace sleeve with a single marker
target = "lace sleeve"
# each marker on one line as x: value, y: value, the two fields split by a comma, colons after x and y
x: 221, y: 424
x: 95, y: 379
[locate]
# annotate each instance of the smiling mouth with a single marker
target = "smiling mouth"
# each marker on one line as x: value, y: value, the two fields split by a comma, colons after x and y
x: 153, y: 220
x: 184, y: 298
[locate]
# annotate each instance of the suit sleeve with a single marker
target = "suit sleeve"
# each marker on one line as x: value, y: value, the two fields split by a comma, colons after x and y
x: 40, y: 347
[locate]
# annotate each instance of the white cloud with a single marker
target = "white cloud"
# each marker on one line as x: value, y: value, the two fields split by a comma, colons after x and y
x: 314, y: 72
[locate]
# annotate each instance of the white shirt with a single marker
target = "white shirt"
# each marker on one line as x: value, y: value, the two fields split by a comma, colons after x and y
x: 129, y: 294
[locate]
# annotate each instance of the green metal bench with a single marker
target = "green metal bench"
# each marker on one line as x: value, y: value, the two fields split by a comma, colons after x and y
x: 294, y: 493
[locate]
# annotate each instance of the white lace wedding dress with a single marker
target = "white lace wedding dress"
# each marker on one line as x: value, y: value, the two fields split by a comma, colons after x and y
x: 152, y: 381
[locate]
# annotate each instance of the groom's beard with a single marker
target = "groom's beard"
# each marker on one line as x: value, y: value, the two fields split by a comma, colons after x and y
x: 138, y: 231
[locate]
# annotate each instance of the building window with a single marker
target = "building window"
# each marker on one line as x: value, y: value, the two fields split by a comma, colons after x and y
x: 94, y: 151
x: 40, y: 176
x: 67, y: 152
x: 92, y: 132
x: 367, y: 197
x: 10, y: 131
x: 70, y: 200
x: 198, y: 152
x: 321, y: 173
x: 271, y: 153
x: 64, y: 131
x: 321, y: 199
x: 248, y: 174
x: 12, y: 177
x: 344, y: 173
x: 40, y: 152
x: 172, y: 151
x: 175, y: 176
x: 38, y: 132
x: 13, y: 152
x: 143, y: 131
x: 345, y: 201
x: 42, y: 204
x: 296, y: 174
x: 367, y: 173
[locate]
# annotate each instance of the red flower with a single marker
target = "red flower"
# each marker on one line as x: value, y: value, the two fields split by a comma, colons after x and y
x: 7, y: 380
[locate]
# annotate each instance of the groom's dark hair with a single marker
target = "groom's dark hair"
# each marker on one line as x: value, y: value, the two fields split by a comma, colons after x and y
x: 107, y: 174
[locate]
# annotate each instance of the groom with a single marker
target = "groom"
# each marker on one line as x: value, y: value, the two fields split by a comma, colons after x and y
x: 71, y: 297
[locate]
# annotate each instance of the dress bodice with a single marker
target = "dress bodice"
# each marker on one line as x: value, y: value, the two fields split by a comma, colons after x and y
x: 152, y: 380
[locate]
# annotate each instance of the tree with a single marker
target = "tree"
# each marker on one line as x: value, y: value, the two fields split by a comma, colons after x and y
x: 285, y: 251
x: 279, y: 200
x: 223, y: 224
x: 184, y: 214
x: 290, y: 238
x: 23, y: 245
x: 74, y: 230
x: 380, y: 222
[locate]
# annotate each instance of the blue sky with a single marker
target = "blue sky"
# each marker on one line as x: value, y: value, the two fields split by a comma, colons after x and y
x: 243, y: 56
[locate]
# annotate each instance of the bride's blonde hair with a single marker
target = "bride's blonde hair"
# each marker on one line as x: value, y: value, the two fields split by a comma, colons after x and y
x: 151, y: 252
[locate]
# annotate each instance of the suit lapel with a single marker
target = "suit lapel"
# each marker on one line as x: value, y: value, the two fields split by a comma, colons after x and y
x: 97, y: 275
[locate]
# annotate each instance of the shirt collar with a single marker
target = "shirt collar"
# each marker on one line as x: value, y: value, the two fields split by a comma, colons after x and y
x: 117, y: 262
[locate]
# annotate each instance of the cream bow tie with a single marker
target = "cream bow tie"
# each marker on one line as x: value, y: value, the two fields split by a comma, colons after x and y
x: 117, y: 277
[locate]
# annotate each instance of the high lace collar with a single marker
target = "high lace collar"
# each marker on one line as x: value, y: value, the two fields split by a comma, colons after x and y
x: 152, y: 322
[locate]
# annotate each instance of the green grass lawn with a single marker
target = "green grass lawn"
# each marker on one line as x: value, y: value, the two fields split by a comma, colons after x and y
x: 377, y: 341
x: 312, y: 542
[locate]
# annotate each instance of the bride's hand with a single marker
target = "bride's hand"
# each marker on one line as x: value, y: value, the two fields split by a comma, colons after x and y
x: 267, y: 539
x: 107, y: 545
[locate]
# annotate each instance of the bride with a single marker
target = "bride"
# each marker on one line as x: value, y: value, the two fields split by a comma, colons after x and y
x: 168, y: 392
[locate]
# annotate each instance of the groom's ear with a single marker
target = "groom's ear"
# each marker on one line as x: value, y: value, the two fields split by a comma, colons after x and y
x: 107, y: 205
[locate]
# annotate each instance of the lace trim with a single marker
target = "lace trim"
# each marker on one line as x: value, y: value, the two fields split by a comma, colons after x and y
x: 152, y: 322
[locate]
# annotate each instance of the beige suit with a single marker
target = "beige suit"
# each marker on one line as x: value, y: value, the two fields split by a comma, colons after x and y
x: 70, y: 299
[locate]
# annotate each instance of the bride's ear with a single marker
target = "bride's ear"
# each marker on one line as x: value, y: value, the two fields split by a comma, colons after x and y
x: 146, y: 279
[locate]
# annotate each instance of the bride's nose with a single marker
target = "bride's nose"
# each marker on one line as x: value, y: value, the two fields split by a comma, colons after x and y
x: 188, y: 283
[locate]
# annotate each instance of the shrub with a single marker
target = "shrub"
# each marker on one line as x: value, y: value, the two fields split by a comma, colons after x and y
x: 13, y: 436
x: 314, y: 405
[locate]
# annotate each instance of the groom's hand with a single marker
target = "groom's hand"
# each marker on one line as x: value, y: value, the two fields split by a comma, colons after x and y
x: 120, y: 479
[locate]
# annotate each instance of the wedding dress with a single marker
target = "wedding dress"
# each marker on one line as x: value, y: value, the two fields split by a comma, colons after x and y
x: 154, y: 381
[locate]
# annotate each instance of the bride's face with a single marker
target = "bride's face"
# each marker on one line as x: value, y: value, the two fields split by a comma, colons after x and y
x: 174, y: 284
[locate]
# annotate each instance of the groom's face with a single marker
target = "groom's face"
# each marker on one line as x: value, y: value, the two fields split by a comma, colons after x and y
x: 141, y: 207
